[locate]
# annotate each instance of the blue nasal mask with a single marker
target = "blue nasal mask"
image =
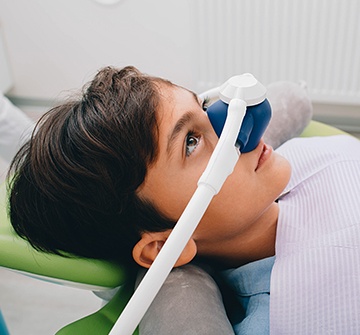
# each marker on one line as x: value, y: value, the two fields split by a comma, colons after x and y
x: 258, y: 110
x: 252, y: 128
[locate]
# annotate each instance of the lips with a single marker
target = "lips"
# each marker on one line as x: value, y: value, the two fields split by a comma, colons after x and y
x: 265, y: 153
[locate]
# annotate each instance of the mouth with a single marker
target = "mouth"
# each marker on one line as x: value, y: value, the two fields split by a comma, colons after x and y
x: 265, y: 153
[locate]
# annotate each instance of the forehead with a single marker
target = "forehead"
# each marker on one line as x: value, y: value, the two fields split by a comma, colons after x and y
x: 176, y: 99
x: 178, y: 107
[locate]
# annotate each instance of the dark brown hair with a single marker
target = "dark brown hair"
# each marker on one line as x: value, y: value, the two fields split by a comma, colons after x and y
x: 74, y: 183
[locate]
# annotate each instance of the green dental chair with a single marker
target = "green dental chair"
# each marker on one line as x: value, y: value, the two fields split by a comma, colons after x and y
x: 17, y: 255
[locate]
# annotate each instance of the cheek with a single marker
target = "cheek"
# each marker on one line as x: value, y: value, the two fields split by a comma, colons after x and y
x: 170, y: 186
x: 173, y: 193
x: 232, y: 203
x: 181, y: 186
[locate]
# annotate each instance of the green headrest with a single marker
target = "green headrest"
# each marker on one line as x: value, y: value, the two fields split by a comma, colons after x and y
x: 17, y: 254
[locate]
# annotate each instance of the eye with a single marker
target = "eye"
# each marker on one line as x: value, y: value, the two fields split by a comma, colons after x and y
x: 191, y: 143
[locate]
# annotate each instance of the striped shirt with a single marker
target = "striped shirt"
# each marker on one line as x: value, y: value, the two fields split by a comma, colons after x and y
x: 315, y: 282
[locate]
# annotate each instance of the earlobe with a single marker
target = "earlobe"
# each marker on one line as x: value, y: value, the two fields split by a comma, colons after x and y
x: 187, y: 254
x: 150, y: 244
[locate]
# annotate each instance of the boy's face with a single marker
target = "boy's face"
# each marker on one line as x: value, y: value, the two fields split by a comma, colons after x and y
x: 186, y: 142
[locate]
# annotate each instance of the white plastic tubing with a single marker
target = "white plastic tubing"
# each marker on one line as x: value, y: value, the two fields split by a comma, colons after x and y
x: 220, y: 166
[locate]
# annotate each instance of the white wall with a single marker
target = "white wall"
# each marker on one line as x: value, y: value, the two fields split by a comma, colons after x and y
x: 57, y: 45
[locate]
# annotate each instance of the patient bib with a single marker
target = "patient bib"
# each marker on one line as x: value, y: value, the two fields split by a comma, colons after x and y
x: 315, y: 282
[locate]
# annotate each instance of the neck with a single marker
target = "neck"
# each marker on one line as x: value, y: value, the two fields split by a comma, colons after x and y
x: 256, y: 243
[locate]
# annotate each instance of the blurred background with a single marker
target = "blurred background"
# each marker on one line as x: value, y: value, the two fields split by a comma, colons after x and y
x: 50, y: 49
x: 54, y: 47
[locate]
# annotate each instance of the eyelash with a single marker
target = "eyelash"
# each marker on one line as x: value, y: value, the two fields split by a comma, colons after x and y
x: 205, y: 104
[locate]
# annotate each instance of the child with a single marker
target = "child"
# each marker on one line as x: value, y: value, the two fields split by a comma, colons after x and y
x: 103, y: 158
x: 108, y: 175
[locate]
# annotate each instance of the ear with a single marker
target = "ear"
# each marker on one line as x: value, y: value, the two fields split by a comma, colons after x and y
x: 146, y: 250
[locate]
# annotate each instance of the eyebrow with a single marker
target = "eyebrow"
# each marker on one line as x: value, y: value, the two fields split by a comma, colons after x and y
x: 178, y: 128
x: 181, y: 124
